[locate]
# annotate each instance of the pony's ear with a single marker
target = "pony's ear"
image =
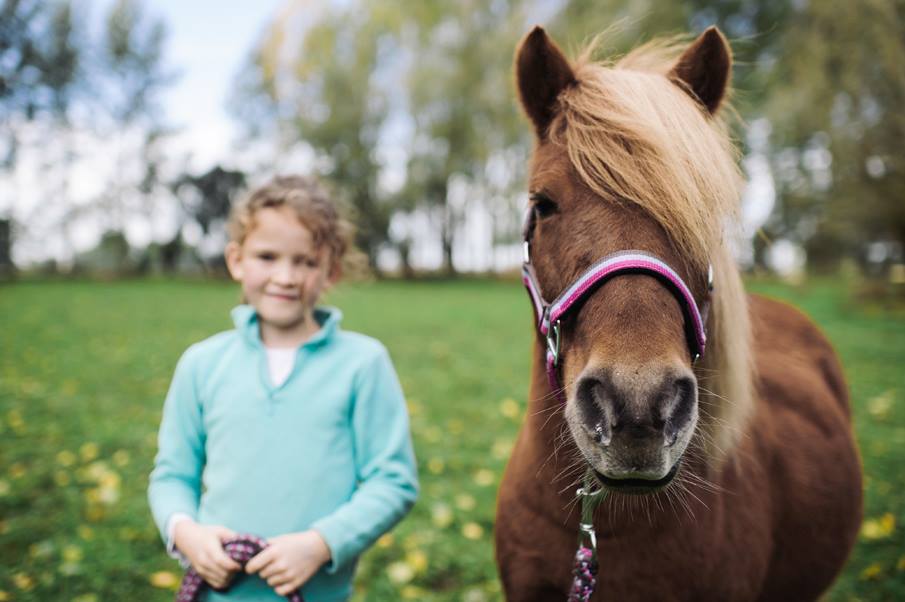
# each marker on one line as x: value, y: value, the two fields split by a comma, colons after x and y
x: 542, y: 72
x: 704, y: 69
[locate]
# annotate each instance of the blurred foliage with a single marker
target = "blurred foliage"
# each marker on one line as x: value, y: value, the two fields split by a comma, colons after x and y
x: 62, y: 85
x: 84, y: 368
x: 410, y: 109
x: 336, y: 76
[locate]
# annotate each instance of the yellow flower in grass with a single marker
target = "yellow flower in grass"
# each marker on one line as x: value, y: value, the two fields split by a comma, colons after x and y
x: 400, y: 572
x: 23, y: 581
x: 441, y: 515
x: 465, y: 502
x: 484, y: 477
x: 509, y: 408
x: 501, y: 449
x: 70, y: 568
x: 89, y: 451
x: 472, y: 531
x: 417, y: 560
x: 120, y: 457
x: 4, y: 596
x: 872, y: 572
x: 72, y: 553
x: 164, y: 580
x: 385, y: 541
x: 878, y: 528
x: 880, y: 405
x: 474, y: 595
x: 66, y: 458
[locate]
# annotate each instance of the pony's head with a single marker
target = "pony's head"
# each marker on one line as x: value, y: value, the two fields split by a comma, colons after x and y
x: 633, y: 156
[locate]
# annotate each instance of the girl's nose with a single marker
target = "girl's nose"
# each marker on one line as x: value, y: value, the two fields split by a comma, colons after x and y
x: 284, y: 272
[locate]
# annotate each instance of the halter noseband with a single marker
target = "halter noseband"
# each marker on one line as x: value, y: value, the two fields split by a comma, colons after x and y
x: 549, y: 315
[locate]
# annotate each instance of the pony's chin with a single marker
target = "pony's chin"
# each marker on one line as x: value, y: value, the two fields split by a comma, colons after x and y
x: 637, y: 486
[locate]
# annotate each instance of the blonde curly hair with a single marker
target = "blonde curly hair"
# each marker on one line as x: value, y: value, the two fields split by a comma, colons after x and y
x: 312, y: 205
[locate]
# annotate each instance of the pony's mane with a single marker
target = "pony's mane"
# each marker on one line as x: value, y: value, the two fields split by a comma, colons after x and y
x: 632, y: 133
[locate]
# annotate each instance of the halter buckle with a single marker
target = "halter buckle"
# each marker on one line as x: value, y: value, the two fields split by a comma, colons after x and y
x: 526, y: 252
x: 553, y: 341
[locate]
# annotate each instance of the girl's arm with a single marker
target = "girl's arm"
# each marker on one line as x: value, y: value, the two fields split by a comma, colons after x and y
x: 175, y: 484
x: 385, y: 465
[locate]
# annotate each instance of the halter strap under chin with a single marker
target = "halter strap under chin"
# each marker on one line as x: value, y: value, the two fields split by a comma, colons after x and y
x: 549, y: 315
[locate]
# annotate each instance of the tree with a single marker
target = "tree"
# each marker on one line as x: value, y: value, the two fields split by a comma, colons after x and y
x: 207, y: 198
x: 323, y: 90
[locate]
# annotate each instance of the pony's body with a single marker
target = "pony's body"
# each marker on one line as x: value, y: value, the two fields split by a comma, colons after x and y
x: 768, y: 498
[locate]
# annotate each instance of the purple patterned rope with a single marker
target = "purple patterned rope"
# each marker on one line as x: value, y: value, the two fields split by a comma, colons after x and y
x: 241, y: 549
x: 584, y: 575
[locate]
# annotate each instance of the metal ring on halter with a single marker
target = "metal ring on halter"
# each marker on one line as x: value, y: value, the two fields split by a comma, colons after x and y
x: 526, y: 252
x: 553, y: 341
x: 587, y: 492
x: 709, y: 276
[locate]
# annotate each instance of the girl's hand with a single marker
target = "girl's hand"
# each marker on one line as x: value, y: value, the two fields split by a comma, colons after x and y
x: 290, y: 560
x: 203, y: 546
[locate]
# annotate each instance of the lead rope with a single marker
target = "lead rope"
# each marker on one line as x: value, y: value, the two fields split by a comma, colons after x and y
x: 241, y: 549
x: 584, y: 571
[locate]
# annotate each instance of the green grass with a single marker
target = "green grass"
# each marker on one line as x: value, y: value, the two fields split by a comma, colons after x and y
x: 84, y: 368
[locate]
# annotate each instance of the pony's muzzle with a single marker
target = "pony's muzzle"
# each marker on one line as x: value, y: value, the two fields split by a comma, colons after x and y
x: 636, y: 416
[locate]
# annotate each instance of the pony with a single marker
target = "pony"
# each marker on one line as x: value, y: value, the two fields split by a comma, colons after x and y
x: 733, y: 477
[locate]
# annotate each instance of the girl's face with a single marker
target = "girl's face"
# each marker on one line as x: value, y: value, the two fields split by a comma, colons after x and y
x: 282, y: 274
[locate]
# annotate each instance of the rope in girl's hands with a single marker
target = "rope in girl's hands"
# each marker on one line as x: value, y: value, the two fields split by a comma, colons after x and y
x: 242, y: 549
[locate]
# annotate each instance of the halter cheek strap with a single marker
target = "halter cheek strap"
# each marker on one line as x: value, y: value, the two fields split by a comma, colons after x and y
x: 549, y: 315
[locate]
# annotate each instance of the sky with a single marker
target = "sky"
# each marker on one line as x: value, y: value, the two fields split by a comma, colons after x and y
x: 208, y: 42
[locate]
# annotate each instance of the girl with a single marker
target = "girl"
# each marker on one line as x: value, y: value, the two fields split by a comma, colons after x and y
x: 286, y: 427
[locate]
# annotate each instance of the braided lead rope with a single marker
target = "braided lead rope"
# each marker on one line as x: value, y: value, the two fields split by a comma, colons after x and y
x: 585, y: 566
x: 241, y: 549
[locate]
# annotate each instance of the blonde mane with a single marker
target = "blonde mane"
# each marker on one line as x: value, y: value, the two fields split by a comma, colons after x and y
x: 631, y: 132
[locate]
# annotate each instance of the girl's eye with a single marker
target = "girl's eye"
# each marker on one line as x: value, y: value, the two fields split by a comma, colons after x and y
x: 308, y: 262
x: 543, y: 206
x: 266, y: 256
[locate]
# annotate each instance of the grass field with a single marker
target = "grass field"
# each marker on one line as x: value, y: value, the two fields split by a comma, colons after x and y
x: 84, y: 368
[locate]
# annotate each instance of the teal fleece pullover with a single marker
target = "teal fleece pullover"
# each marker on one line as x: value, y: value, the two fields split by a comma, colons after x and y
x: 328, y: 450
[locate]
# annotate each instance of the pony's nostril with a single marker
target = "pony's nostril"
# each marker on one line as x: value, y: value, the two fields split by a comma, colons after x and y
x: 592, y: 405
x: 680, y: 410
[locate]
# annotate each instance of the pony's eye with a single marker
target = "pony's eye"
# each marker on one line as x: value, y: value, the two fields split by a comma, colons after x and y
x: 543, y: 206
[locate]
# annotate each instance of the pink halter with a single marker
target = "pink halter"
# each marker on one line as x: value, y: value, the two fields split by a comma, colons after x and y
x: 622, y: 262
